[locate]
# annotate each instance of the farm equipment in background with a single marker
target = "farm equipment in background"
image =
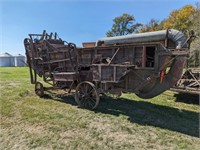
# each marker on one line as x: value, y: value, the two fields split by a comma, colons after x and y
x: 146, y: 64
x: 189, y: 82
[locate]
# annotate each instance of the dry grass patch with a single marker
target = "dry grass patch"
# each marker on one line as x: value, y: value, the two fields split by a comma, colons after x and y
x: 55, y: 121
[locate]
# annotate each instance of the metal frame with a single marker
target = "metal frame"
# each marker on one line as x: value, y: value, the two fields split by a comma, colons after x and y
x: 189, y: 82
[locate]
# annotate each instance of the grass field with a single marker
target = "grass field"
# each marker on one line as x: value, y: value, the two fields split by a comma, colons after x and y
x: 168, y: 121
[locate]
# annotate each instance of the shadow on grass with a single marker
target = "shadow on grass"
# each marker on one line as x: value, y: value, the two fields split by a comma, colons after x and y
x: 145, y: 113
x: 65, y: 98
x: 187, y: 98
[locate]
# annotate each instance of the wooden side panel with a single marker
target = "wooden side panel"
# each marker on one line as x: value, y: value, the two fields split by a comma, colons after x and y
x: 107, y: 73
x: 96, y: 74
x: 89, y: 44
x: 120, y: 72
x: 138, y: 56
x: 105, y: 52
x: 144, y: 56
x: 86, y: 56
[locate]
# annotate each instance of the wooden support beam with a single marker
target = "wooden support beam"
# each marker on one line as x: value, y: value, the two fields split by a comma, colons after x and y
x: 144, y: 56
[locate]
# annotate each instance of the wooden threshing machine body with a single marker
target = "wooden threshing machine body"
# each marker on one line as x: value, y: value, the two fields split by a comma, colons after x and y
x: 146, y: 64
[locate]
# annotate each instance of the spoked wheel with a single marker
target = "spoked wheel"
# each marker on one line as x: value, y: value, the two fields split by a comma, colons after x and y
x: 86, y: 95
x: 39, y: 89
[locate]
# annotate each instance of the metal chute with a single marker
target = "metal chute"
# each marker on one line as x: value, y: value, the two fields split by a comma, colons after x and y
x: 169, y: 80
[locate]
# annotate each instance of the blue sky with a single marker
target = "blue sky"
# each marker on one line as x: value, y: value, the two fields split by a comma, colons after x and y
x: 75, y: 21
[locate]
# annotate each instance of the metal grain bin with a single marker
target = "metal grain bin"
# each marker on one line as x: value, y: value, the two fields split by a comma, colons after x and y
x: 20, y: 60
x: 7, y: 60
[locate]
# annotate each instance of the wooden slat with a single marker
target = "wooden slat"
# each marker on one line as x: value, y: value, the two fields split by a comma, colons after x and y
x: 144, y: 56
x: 55, y: 61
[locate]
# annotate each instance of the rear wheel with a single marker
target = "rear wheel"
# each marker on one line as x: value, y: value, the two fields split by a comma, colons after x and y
x: 86, y: 95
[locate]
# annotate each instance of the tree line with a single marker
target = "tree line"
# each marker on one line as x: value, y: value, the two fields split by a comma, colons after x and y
x: 184, y: 19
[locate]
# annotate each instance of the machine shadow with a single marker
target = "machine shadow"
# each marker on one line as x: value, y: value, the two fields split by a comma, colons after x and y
x: 64, y: 98
x: 187, y: 98
x: 145, y: 113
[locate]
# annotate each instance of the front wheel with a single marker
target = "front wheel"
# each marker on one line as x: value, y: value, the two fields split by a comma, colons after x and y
x: 86, y: 95
x: 39, y: 89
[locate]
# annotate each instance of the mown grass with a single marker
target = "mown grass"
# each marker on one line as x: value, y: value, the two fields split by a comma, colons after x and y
x: 55, y: 122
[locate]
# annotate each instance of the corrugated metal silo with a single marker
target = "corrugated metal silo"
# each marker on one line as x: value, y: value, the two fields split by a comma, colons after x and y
x: 20, y: 60
x: 7, y: 60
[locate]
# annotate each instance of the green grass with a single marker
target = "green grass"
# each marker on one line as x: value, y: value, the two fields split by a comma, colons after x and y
x: 168, y: 121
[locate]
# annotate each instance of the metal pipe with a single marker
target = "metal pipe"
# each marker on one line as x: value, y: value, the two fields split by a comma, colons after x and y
x: 174, y: 35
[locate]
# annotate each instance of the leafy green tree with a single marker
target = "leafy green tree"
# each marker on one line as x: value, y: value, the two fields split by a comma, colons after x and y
x: 180, y: 19
x: 194, y: 59
x: 153, y: 25
x: 123, y: 25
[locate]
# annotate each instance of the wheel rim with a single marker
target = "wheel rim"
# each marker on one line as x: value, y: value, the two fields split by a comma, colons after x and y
x: 86, y: 95
x: 39, y: 89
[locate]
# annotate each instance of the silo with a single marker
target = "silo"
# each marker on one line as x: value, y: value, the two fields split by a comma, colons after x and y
x: 7, y: 60
x: 20, y: 60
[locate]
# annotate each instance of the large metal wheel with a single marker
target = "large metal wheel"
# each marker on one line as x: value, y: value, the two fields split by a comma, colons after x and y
x: 39, y: 89
x: 86, y: 95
